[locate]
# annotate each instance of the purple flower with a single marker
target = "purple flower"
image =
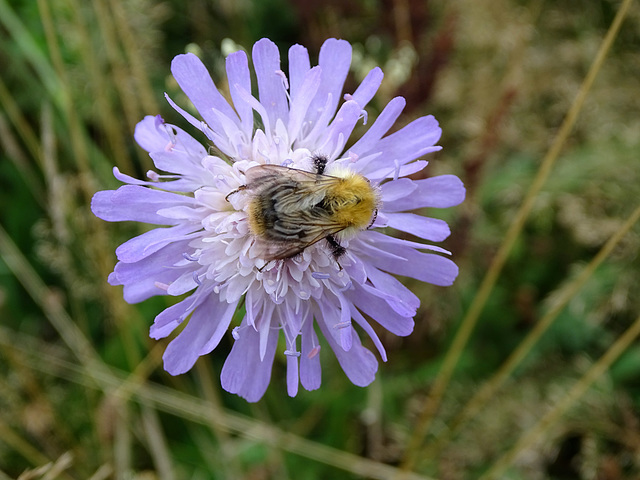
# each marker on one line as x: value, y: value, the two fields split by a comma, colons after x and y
x: 206, y: 245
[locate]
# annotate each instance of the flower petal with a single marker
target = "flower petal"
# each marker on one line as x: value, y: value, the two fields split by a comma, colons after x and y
x: 266, y: 61
x: 310, y: 369
x: 411, y: 142
x: 368, y: 87
x: 195, y: 81
x: 359, y: 364
x: 292, y: 375
x: 243, y: 372
x: 150, y: 242
x: 142, y: 279
x: 298, y: 67
x: 207, y: 325
x: 431, y: 229
x: 136, y: 203
x: 381, y: 312
x: 438, y: 192
x: 167, y: 320
x: 427, y: 267
x: 382, y: 124
x: 238, y: 75
x: 335, y: 60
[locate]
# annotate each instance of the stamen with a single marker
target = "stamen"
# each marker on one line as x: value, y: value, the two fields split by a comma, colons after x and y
x: 172, y: 137
x: 340, y: 325
x: 347, y: 286
x: 314, y: 351
x: 235, y: 334
x: 320, y: 275
x: 365, y: 116
x: 161, y: 286
x: 285, y: 81
x: 196, y: 278
x: 191, y: 258
x: 206, y: 129
x: 153, y: 176
x: 292, y: 353
x: 347, y: 97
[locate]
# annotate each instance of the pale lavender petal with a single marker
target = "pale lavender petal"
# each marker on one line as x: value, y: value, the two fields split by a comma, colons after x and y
x: 199, y: 124
x: 155, y: 136
x: 194, y: 80
x: 357, y: 316
x: 201, y: 335
x: 143, y: 279
x: 383, y: 123
x: 136, y: 203
x: 340, y: 129
x: 292, y: 375
x: 335, y: 60
x: 368, y: 88
x: 431, y: 229
x: 301, y: 99
x: 310, y: 369
x: 171, y: 317
x: 359, y: 364
x: 266, y: 61
x: 298, y: 67
x: 238, y: 75
x: 427, y: 267
x: 243, y: 372
x: 381, y: 312
x: 178, y: 162
x: 397, y: 189
x: 395, y: 289
x: 397, y: 171
x: 439, y: 192
x: 150, y: 242
x: 183, y: 284
x: 329, y: 314
x: 407, y: 144
x: 151, y: 134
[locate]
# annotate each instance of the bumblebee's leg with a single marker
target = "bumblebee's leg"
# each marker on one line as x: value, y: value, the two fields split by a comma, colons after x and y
x: 337, y: 250
x: 263, y: 266
x: 241, y: 187
x: 374, y: 218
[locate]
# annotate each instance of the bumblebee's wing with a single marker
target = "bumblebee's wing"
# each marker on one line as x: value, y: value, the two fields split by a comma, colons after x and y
x: 293, y: 231
x: 269, y: 248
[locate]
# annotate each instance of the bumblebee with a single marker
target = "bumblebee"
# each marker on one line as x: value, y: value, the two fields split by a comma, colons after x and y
x: 290, y: 209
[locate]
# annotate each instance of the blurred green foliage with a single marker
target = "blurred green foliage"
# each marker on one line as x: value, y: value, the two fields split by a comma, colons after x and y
x: 498, y: 75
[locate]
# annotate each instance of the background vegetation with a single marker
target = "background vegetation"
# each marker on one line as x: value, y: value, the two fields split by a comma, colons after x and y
x: 527, y: 368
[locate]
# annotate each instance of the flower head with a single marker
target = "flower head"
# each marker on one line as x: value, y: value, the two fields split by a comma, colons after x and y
x: 224, y: 236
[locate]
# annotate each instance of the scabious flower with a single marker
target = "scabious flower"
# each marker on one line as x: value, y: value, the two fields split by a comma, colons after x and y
x: 205, y: 245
